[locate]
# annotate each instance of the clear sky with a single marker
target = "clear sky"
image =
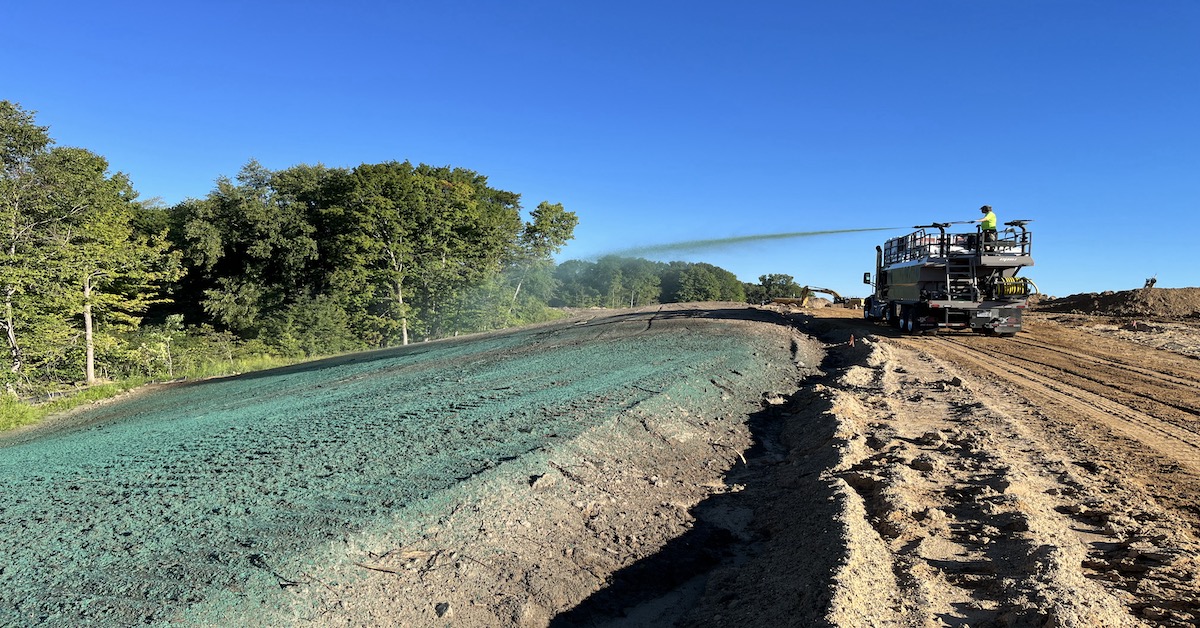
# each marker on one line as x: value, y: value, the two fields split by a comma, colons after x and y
x: 666, y: 121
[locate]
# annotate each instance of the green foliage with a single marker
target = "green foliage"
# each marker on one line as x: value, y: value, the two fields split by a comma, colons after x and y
x: 275, y: 266
x: 90, y: 394
x: 705, y: 282
x: 312, y: 326
x: 551, y: 228
x: 575, y: 285
x: 247, y: 247
x: 400, y: 250
x: 72, y: 268
x: 14, y: 413
x: 772, y: 286
x: 25, y: 206
x: 626, y: 282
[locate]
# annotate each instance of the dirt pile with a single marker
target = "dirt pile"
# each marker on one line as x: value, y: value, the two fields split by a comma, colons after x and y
x: 1144, y: 303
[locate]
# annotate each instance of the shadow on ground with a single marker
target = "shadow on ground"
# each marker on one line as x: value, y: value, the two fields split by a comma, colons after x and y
x: 764, y: 550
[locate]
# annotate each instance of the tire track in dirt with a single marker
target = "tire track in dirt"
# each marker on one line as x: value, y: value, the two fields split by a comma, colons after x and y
x: 1131, y: 498
x: 1154, y: 388
x: 1101, y: 509
x: 959, y: 495
x: 1122, y: 362
x: 1064, y: 386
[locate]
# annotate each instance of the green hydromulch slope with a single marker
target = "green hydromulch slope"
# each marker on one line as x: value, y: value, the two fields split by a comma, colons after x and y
x: 156, y: 504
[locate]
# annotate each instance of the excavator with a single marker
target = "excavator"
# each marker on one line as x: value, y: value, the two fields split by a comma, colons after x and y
x: 806, y: 293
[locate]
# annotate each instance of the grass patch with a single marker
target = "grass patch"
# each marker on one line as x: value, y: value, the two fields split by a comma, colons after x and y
x: 88, y: 395
x: 15, y: 413
x: 238, y: 366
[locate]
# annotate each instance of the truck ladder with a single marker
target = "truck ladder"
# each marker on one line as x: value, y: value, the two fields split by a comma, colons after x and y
x: 960, y: 279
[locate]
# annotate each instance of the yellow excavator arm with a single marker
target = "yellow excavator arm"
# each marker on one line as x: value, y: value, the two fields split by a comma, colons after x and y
x: 809, y: 290
x: 806, y: 293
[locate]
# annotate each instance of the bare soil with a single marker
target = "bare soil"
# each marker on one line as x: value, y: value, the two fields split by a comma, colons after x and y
x: 1046, y: 479
x: 1051, y: 479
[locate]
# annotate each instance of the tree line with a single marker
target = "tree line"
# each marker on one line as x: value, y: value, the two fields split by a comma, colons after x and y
x: 97, y: 284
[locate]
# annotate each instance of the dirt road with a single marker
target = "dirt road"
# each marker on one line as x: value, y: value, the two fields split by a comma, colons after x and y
x: 1052, y: 478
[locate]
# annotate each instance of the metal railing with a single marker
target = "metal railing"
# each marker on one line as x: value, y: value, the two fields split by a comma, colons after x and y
x: 1013, y: 240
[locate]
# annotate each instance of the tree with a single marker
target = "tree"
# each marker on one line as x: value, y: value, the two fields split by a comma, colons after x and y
x: 778, y: 285
x: 401, y: 250
x: 248, y: 248
x: 697, y: 283
x: 703, y: 282
x: 381, y: 216
x: 626, y: 282
x: 614, y: 281
x: 642, y: 281
x: 466, y: 233
x: 575, y: 286
x: 550, y: 228
x: 116, y: 271
x: 71, y: 256
x: 23, y: 211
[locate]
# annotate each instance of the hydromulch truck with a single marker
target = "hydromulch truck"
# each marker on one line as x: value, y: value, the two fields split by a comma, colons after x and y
x: 931, y: 280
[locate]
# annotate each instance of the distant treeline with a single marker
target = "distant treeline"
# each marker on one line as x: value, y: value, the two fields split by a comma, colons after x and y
x: 96, y: 284
x: 614, y: 281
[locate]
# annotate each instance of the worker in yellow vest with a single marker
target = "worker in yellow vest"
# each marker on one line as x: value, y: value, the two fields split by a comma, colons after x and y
x: 987, y: 224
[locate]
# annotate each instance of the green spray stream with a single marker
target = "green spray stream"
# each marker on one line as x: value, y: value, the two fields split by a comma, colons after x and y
x: 718, y: 243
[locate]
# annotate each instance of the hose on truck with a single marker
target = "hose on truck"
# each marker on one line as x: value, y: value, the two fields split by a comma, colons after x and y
x: 1016, y: 287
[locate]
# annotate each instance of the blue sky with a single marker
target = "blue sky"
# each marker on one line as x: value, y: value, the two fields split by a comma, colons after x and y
x: 666, y: 121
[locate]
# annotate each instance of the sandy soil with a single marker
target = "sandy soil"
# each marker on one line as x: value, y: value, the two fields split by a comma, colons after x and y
x: 1048, y: 479
x: 1051, y: 479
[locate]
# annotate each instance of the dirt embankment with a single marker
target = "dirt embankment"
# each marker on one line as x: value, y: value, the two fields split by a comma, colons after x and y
x: 1163, y: 303
x: 1051, y: 479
